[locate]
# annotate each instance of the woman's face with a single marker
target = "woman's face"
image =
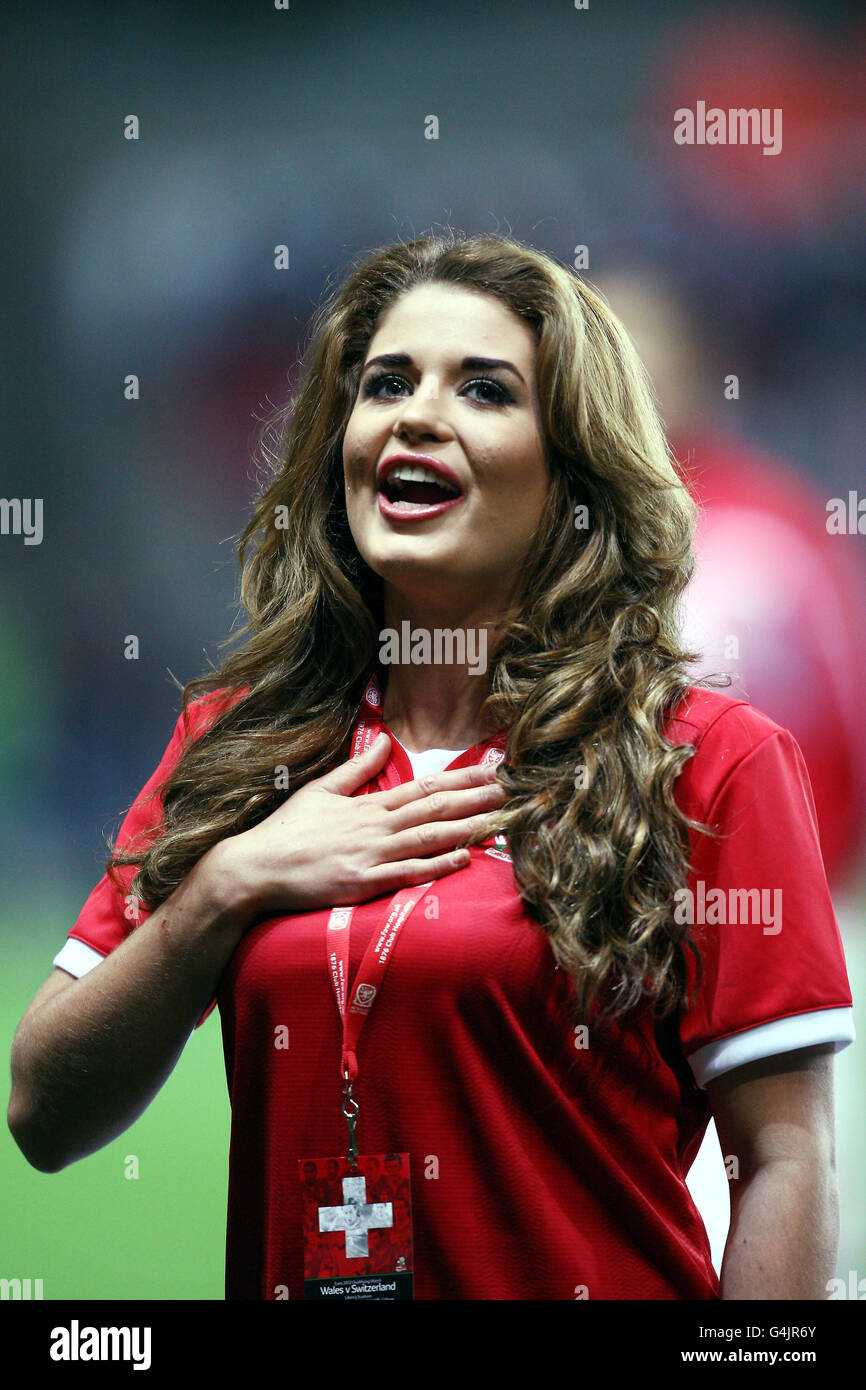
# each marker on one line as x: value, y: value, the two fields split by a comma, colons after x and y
x: 479, y: 421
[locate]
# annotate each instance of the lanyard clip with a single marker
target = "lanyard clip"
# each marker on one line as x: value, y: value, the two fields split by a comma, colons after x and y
x: 350, y: 1111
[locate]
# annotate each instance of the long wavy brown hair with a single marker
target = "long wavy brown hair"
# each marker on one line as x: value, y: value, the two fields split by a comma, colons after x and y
x: 588, y: 667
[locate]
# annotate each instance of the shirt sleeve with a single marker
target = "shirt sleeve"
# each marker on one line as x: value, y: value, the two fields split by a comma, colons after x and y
x: 110, y: 913
x: 774, y: 976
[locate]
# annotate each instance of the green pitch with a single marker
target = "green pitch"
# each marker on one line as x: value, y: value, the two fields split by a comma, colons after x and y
x: 94, y: 1230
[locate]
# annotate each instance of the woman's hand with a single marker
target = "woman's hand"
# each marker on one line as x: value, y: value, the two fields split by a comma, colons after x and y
x: 325, y: 847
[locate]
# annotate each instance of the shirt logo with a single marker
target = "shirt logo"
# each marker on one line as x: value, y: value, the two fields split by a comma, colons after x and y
x: 500, y: 852
x: 364, y: 995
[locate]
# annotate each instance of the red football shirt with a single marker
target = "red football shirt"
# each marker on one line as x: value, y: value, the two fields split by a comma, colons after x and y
x: 545, y: 1164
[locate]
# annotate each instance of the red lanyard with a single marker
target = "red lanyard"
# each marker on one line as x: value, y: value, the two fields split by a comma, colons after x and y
x: 377, y: 957
x: 371, y: 971
x: 368, y: 983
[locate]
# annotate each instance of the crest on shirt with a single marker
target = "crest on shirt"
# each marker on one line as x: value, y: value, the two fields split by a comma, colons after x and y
x: 499, y: 849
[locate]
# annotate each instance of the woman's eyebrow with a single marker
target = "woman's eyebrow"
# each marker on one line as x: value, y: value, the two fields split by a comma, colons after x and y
x: 469, y: 364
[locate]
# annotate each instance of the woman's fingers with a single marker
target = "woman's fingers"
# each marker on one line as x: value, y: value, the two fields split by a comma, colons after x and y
x: 390, y: 878
x: 346, y: 779
x: 402, y: 873
x: 353, y: 774
x: 458, y: 779
x: 435, y: 837
x: 444, y: 806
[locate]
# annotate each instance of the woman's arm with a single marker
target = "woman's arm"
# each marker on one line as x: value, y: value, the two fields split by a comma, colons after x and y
x: 775, y: 1117
x: 90, y: 1054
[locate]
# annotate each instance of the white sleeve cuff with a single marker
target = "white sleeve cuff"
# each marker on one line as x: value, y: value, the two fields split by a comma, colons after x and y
x: 76, y: 958
x: 769, y: 1039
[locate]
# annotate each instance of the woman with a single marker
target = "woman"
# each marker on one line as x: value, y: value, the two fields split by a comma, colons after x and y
x: 462, y: 603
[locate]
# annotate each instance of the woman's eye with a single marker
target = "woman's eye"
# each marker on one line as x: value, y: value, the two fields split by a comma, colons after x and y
x: 500, y: 396
x: 377, y: 379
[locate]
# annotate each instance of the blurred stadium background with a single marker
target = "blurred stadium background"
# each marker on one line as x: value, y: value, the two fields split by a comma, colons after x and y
x: 305, y: 126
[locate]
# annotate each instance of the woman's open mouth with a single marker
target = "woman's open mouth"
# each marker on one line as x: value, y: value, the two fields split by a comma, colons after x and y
x: 412, y: 491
